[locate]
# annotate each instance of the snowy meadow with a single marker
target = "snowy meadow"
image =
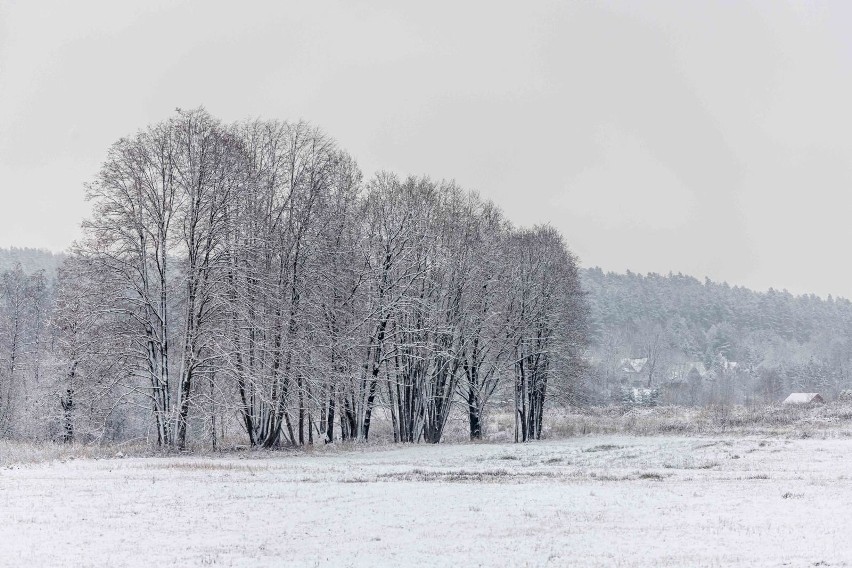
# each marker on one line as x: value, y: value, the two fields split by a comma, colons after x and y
x: 391, y: 284
x: 588, y: 501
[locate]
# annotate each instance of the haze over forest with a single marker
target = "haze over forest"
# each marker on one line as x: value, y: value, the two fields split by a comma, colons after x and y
x: 648, y: 142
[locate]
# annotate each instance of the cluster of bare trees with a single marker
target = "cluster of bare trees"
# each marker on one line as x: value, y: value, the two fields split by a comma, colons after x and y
x: 246, y: 274
x: 25, y: 345
x: 26, y: 349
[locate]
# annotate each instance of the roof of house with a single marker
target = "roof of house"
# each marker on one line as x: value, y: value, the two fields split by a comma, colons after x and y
x: 802, y: 398
x: 633, y: 365
x: 682, y: 372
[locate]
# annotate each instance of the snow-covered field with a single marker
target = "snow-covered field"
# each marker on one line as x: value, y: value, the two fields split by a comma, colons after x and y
x: 592, y: 501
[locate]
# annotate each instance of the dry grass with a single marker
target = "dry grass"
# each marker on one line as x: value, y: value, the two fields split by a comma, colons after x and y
x: 18, y: 453
x: 206, y: 465
x: 822, y: 421
x: 833, y: 420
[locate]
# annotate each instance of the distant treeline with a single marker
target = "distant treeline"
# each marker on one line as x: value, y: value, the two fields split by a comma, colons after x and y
x: 790, y: 341
x: 31, y: 260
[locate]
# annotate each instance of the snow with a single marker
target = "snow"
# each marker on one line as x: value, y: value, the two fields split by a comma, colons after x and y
x: 803, y: 398
x: 592, y: 501
x: 633, y: 365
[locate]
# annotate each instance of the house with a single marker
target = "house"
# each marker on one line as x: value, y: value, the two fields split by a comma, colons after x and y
x: 634, y: 372
x: 804, y: 398
x: 684, y: 382
x: 633, y: 366
x: 692, y: 372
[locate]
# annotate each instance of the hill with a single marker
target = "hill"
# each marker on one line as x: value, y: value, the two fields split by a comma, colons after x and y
x: 779, y: 341
x: 31, y: 260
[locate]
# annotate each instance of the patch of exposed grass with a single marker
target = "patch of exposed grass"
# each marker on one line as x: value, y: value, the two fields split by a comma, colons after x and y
x: 652, y: 475
x: 603, y: 448
x: 499, y: 475
x: 356, y: 479
x: 610, y: 477
x: 203, y: 466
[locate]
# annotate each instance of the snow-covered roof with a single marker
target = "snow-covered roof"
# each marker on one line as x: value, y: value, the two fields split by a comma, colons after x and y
x: 803, y: 398
x: 633, y: 365
x: 681, y: 372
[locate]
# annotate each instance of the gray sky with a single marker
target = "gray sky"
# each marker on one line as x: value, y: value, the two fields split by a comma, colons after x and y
x: 710, y: 138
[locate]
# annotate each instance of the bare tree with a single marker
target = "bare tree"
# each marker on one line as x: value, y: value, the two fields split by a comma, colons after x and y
x: 247, y: 262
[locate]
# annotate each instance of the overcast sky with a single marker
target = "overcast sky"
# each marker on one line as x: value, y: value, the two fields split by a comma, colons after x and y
x: 710, y: 138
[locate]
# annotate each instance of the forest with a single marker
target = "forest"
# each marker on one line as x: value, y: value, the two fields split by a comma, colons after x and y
x: 750, y: 347
x: 244, y: 282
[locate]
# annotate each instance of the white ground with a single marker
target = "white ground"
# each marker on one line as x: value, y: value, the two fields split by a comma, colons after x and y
x: 594, y: 501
